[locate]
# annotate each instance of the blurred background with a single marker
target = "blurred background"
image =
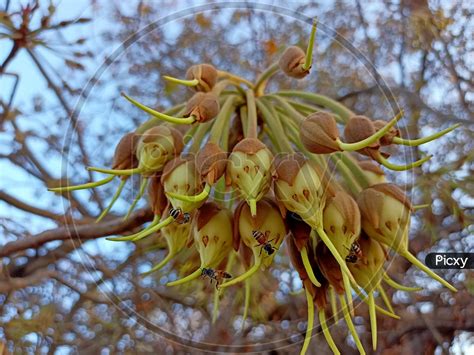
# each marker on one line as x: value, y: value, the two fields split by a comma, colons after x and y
x: 64, y: 289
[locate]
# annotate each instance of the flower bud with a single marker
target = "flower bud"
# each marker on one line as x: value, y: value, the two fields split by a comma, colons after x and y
x: 341, y: 221
x: 206, y: 74
x: 373, y: 172
x: 388, y: 137
x: 263, y: 233
x: 248, y: 169
x: 202, y: 106
x: 319, y: 134
x: 125, y: 152
x: 212, y: 231
x: 359, y: 128
x: 156, y: 147
x: 298, y: 187
x: 368, y: 270
x: 180, y: 177
x: 385, y: 211
x: 156, y: 195
x: 291, y: 62
x: 211, y: 163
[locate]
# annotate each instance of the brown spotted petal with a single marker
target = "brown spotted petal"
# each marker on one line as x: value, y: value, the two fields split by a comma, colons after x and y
x: 206, y: 74
x: 319, y: 133
x: 203, y: 106
x: 291, y: 62
x: 385, y: 211
x: 341, y: 221
x: 125, y: 153
x: 211, y: 163
x: 212, y: 230
x: 388, y: 137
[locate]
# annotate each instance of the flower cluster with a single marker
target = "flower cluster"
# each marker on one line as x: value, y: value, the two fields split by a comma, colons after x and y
x: 292, y: 182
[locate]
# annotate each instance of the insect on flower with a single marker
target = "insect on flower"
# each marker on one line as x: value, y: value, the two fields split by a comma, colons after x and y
x: 262, y: 241
x: 355, y: 253
x: 215, y: 275
x: 179, y: 216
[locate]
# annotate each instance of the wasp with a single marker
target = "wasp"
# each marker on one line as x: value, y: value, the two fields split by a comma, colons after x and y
x: 262, y: 241
x: 179, y: 216
x: 217, y: 275
x: 354, y: 253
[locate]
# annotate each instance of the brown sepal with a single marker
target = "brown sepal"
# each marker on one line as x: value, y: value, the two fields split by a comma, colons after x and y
x: 318, y: 133
x: 329, y: 267
x: 205, y: 214
x: 286, y: 167
x: 387, y: 139
x: 125, y: 152
x: 291, y: 62
x: 156, y: 195
x: 205, y: 73
x: 211, y: 163
x: 249, y: 146
x: 300, y: 231
x: 203, y: 106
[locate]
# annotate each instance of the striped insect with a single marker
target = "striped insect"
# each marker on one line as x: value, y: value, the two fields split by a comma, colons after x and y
x: 217, y: 275
x: 355, y: 253
x: 263, y: 242
x: 179, y: 216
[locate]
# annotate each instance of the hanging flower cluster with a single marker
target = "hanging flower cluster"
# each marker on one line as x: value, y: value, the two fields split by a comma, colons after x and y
x: 292, y: 181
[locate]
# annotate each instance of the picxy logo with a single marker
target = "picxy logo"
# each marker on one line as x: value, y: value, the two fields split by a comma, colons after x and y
x: 450, y: 260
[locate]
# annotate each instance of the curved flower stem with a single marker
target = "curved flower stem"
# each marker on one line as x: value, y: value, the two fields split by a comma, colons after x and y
x: 308, y: 268
x: 326, y: 333
x: 335, y: 253
x: 215, y: 307
x: 394, y: 167
x: 154, y: 229
x: 88, y: 185
x: 199, y: 135
x: 348, y: 291
x: 320, y: 100
x: 293, y: 113
x: 190, y: 133
x: 262, y: 80
x: 419, y: 207
x: 141, y: 191
x: 177, y: 110
x: 162, y: 263
x: 332, y: 300
x: 196, y: 198
x: 190, y: 277
x: 310, y: 325
x: 112, y: 202
x: 243, y: 112
x: 373, y: 320
x: 159, y: 115
x: 419, y: 141
x: 385, y: 298
x: 251, y: 131
x: 125, y: 172
x: 372, y: 139
x: 350, y: 325
x: 275, y: 126
x: 184, y: 82
x: 245, y: 275
x: 309, y: 51
x: 347, y: 174
x: 234, y: 78
x: 246, y: 303
x: 224, y: 115
x: 377, y: 307
x: 354, y: 168
x: 411, y: 258
x: 392, y: 283
x: 156, y: 220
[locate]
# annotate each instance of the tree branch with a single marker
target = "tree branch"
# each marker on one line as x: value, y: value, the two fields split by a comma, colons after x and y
x: 81, y: 232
